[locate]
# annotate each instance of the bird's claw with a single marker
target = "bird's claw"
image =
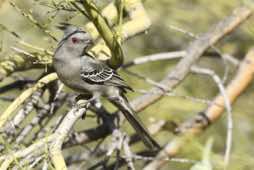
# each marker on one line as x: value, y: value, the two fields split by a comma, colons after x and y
x: 82, y: 101
x: 82, y: 104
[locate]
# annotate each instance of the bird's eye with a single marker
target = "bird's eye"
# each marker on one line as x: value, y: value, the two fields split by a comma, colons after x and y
x: 75, y: 40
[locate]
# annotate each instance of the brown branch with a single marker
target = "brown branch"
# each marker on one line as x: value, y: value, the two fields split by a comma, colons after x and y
x: 196, y: 125
x: 194, y: 51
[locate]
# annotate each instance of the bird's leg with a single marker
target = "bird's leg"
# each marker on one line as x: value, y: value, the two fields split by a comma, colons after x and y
x: 94, y: 104
x: 103, y: 114
x: 100, y: 110
x: 94, y: 101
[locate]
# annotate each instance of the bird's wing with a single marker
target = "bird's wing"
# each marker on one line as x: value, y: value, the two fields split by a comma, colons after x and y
x: 96, y: 72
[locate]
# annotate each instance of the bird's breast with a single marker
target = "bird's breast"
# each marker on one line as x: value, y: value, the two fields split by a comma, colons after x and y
x: 68, y: 72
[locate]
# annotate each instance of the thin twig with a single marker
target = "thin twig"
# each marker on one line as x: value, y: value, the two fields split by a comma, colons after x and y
x: 220, y: 85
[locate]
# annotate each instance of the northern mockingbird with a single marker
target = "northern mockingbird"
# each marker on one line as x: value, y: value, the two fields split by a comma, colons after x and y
x: 84, y: 74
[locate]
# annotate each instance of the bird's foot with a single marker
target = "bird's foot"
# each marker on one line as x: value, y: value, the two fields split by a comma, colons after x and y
x: 83, y: 101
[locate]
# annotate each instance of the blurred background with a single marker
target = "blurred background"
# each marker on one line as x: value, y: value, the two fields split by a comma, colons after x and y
x: 193, y: 16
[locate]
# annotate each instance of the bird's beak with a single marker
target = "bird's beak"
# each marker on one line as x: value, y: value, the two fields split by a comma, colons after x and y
x: 62, y: 26
x: 90, y: 44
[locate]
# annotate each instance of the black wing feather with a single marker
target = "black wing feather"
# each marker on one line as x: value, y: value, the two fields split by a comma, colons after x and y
x: 96, y: 72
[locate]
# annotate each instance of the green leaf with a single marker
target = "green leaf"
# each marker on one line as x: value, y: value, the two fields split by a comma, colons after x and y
x: 205, y: 163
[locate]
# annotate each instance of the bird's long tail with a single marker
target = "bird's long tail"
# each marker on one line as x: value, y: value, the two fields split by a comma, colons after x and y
x: 122, y: 103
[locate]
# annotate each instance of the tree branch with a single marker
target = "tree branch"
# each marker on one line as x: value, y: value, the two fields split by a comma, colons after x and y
x: 196, y: 125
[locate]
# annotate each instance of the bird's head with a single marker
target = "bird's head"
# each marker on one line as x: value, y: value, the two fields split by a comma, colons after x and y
x: 74, y: 40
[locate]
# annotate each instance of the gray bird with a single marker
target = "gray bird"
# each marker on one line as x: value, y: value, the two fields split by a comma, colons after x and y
x: 84, y: 74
